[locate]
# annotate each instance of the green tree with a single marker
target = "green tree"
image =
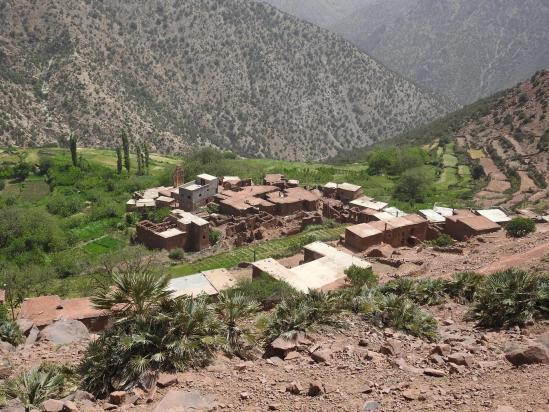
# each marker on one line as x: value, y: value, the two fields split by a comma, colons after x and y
x: 147, y: 156
x: 125, y: 148
x: 477, y: 172
x: 73, y: 142
x: 520, y: 227
x: 21, y: 171
x: 139, y: 155
x: 412, y: 186
x: 118, y: 160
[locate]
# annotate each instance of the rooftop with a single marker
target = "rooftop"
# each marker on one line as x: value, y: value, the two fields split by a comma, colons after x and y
x: 364, y: 230
x: 477, y: 223
x: 325, y: 273
x: 367, y: 202
x: 495, y: 215
x: 349, y: 187
x: 44, y: 310
x: 432, y: 216
x: 170, y: 233
x: 192, y: 285
x: 207, y: 177
x: 186, y: 218
x: 395, y: 212
x: 444, y: 211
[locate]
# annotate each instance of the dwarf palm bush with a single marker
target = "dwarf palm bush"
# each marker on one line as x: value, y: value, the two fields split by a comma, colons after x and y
x: 10, y: 332
x: 301, y: 313
x: 422, y: 292
x: 511, y: 297
x: 178, y: 334
x: 35, y: 386
x: 264, y: 289
x: 232, y: 308
x: 464, y: 285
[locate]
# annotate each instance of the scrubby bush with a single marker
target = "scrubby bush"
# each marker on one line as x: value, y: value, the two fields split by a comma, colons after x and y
x: 301, y: 312
x: 10, y: 332
x: 520, y: 227
x: 64, y: 205
x: 35, y: 386
x: 464, y: 285
x: 508, y: 298
x: 442, y: 240
x: 265, y: 290
x: 360, y: 277
x: 177, y: 334
x: 422, y: 292
x: 214, y: 236
x: 176, y: 254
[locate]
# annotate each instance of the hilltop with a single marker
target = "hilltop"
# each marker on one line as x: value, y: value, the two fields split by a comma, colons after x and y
x: 234, y: 74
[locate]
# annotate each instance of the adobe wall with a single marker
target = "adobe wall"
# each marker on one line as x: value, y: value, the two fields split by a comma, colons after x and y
x: 359, y: 243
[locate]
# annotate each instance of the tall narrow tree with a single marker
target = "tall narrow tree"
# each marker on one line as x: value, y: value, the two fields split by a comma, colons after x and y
x: 125, y: 148
x: 73, y: 141
x: 147, y: 158
x: 139, y: 155
x: 119, y: 160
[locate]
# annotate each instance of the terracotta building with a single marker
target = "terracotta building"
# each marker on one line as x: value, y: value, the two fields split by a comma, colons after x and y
x: 462, y: 227
x: 180, y: 230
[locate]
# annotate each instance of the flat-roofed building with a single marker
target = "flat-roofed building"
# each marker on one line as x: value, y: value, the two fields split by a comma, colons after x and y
x: 366, y: 202
x: 293, y: 200
x: 45, y: 310
x: 198, y: 193
x: 495, y: 215
x: 432, y: 216
x: 464, y: 227
x: 324, y: 269
x: 361, y: 237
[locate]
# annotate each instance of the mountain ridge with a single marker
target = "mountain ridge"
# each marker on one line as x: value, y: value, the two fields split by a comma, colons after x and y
x: 237, y: 75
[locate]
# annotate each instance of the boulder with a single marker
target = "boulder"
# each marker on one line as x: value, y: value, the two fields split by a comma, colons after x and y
x: 64, y: 332
x: 69, y: 406
x: 282, y: 346
x: 322, y: 355
x: 185, y: 401
x: 5, y: 368
x: 32, y: 336
x: 391, y: 348
x: 118, y: 397
x: 382, y: 251
x: 442, y: 349
x: 461, y: 358
x: 25, y: 325
x: 434, y: 372
x: 316, y: 388
x: 167, y: 379
x: 370, y: 406
x: 53, y: 405
x: 6, y: 347
x: 294, y: 388
x: 535, y: 353
x: 80, y: 396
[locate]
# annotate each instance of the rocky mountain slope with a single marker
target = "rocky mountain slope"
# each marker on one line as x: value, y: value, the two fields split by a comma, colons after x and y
x: 321, y: 12
x: 234, y: 74
x: 459, y: 48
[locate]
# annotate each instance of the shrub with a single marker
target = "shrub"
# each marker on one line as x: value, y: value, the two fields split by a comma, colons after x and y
x: 401, y: 313
x: 177, y: 254
x: 422, y: 292
x: 35, y: 386
x: 214, y: 236
x: 64, y: 205
x: 265, y: 290
x: 359, y: 277
x: 2, y: 184
x: 10, y: 332
x: 179, y: 334
x: 508, y: 298
x: 520, y: 227
x: 464, y: 286
x: 443, y: 240
x: 301, y: 313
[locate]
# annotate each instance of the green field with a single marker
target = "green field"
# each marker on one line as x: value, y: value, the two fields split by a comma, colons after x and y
x: 29, y: 190
x: 102, y: 245
x: 279, y: 247
x: 476, y: 154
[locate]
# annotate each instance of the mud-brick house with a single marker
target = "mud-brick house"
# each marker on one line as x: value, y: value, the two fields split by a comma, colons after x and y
x: 462, y: 227
x: 45, y: 310
x: 362, y: 236
x: 293, y: 200
x: 345, y: 192
x: 180, y: 230
x: 201, y: 191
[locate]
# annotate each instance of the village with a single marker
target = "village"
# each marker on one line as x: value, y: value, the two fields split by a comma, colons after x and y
x: 376, y: 236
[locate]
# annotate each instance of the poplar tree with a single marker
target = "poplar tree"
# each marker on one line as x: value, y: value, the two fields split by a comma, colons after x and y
x: 125, y: 148
x: 119, y: 160
x: 73, y: 140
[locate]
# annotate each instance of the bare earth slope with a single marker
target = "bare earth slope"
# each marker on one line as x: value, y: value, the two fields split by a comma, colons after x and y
x: 235, y: 74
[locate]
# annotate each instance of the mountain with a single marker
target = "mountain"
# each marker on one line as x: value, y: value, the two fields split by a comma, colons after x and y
x: 462, y: 49
x: 235, y: 74
x: 324, y: 13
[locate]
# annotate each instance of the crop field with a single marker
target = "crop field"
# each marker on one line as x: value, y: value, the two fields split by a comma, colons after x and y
x: 102, y: 245
x: 274, y: 248
x: 476, y: 154
x: 94, y: 230
x: 29, y: 190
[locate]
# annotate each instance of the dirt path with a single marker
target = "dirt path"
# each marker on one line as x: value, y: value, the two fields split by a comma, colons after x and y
x: 518, y: 260
x: 526, y: 183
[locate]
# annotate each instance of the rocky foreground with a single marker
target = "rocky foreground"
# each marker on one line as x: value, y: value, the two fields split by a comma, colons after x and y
x: 351, y: 367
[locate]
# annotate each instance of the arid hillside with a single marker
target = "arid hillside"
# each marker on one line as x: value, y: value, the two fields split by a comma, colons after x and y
x: 511, y: 143
x: 234, y: 74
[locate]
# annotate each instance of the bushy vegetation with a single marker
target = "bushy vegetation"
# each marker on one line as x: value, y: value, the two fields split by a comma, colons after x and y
x: 176, y: 254
x: 511, y: 297
x: 10, y: 332
x: 265, y: 290
x: 443, y: 240
x: 520, y: 227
